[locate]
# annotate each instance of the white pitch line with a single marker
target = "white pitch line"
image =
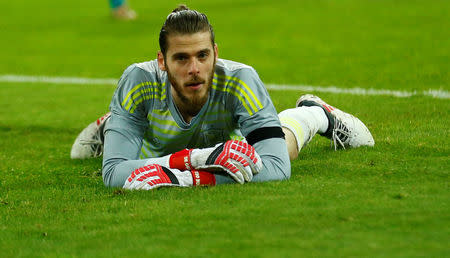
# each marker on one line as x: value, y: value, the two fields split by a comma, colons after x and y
x: 57, y: 80
x: 434, y: 93
x: 334, y: 89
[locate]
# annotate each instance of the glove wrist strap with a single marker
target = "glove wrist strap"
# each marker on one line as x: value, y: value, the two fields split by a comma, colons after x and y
x: 203, y: 178
x: 181, y: 160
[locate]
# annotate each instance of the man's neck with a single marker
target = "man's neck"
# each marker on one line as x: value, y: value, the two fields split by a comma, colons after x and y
x: 187, y: 118
x: 182, y: 109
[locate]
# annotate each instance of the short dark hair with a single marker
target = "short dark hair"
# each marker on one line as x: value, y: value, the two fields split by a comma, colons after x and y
x: 183, y: 20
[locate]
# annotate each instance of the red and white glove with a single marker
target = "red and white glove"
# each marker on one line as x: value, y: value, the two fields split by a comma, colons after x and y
x: 154, y: 176
x: 238, y: 159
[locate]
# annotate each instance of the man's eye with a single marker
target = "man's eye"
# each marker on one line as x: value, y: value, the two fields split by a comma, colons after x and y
x: 202, y: 55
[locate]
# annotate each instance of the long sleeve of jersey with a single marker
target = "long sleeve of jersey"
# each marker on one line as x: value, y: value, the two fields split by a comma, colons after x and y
x: 123, y: 132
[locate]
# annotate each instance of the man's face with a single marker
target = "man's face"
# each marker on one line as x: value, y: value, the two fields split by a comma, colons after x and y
x: 189, y: 62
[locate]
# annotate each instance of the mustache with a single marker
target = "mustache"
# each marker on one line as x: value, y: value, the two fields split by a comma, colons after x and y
x: 196, y: 80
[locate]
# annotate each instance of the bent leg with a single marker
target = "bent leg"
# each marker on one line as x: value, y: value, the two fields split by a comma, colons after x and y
x: 291, y: 142
x: 300, y: 125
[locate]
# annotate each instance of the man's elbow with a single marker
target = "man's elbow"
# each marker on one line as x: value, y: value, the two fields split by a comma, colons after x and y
x: 109, y: 173
x: 275, y: 169
x: 286, y: 170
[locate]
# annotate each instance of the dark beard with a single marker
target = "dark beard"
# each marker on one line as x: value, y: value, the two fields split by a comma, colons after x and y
x: 191, y: 106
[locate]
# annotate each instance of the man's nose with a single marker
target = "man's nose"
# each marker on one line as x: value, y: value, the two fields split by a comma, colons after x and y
x: 193, y: 66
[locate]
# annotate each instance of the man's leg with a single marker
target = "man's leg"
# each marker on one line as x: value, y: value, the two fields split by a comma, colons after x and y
x: 300, y: 125
x: 312, y: 115
x: 89, y: 143
x: 291, y: 142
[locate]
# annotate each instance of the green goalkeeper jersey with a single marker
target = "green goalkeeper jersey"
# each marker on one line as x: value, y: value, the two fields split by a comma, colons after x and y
x: 146, y: 124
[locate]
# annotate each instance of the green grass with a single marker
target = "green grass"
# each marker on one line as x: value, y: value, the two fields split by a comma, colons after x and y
x: 390, y: 200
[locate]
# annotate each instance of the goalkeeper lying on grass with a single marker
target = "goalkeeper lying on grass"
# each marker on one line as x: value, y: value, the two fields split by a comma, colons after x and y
x: 189, y: 118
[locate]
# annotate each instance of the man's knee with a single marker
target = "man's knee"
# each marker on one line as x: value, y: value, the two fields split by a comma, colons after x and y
x: 291, y: 143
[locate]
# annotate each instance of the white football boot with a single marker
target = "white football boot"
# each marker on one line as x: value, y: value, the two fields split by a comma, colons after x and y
x: 89, y: 143
x: 343, y: 129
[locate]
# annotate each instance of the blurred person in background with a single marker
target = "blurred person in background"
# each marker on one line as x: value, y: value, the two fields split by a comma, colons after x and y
x: 121, y: 11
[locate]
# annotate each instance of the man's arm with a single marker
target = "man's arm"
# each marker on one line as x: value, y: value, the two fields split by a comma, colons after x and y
x: 121, y: 151
x: 117, y: 167
x: 125, y: 128
x: 238, y: 159
x: 259, y: 123
x: 122, y: 168
x: 270, y: 144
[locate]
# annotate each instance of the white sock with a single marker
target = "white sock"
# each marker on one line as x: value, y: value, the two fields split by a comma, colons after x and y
x: 304, y: 122
x: 321, y: 118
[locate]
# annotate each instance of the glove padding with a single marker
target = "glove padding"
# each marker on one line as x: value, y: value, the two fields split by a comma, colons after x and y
x: 238, y: 159
x: 151, y: 177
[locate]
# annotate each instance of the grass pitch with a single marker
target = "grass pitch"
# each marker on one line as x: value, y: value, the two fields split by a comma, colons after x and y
x: 390, y: 200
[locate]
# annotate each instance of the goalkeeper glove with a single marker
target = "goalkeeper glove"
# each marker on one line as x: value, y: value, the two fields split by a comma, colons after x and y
x: 154, y: 176
x: 238, y: 159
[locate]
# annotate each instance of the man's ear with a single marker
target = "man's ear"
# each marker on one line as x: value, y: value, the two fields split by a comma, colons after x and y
x: 161, y: 63
x: 216, y: 51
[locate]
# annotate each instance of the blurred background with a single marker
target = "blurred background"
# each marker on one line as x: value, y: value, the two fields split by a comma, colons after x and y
x: 378, y: 44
